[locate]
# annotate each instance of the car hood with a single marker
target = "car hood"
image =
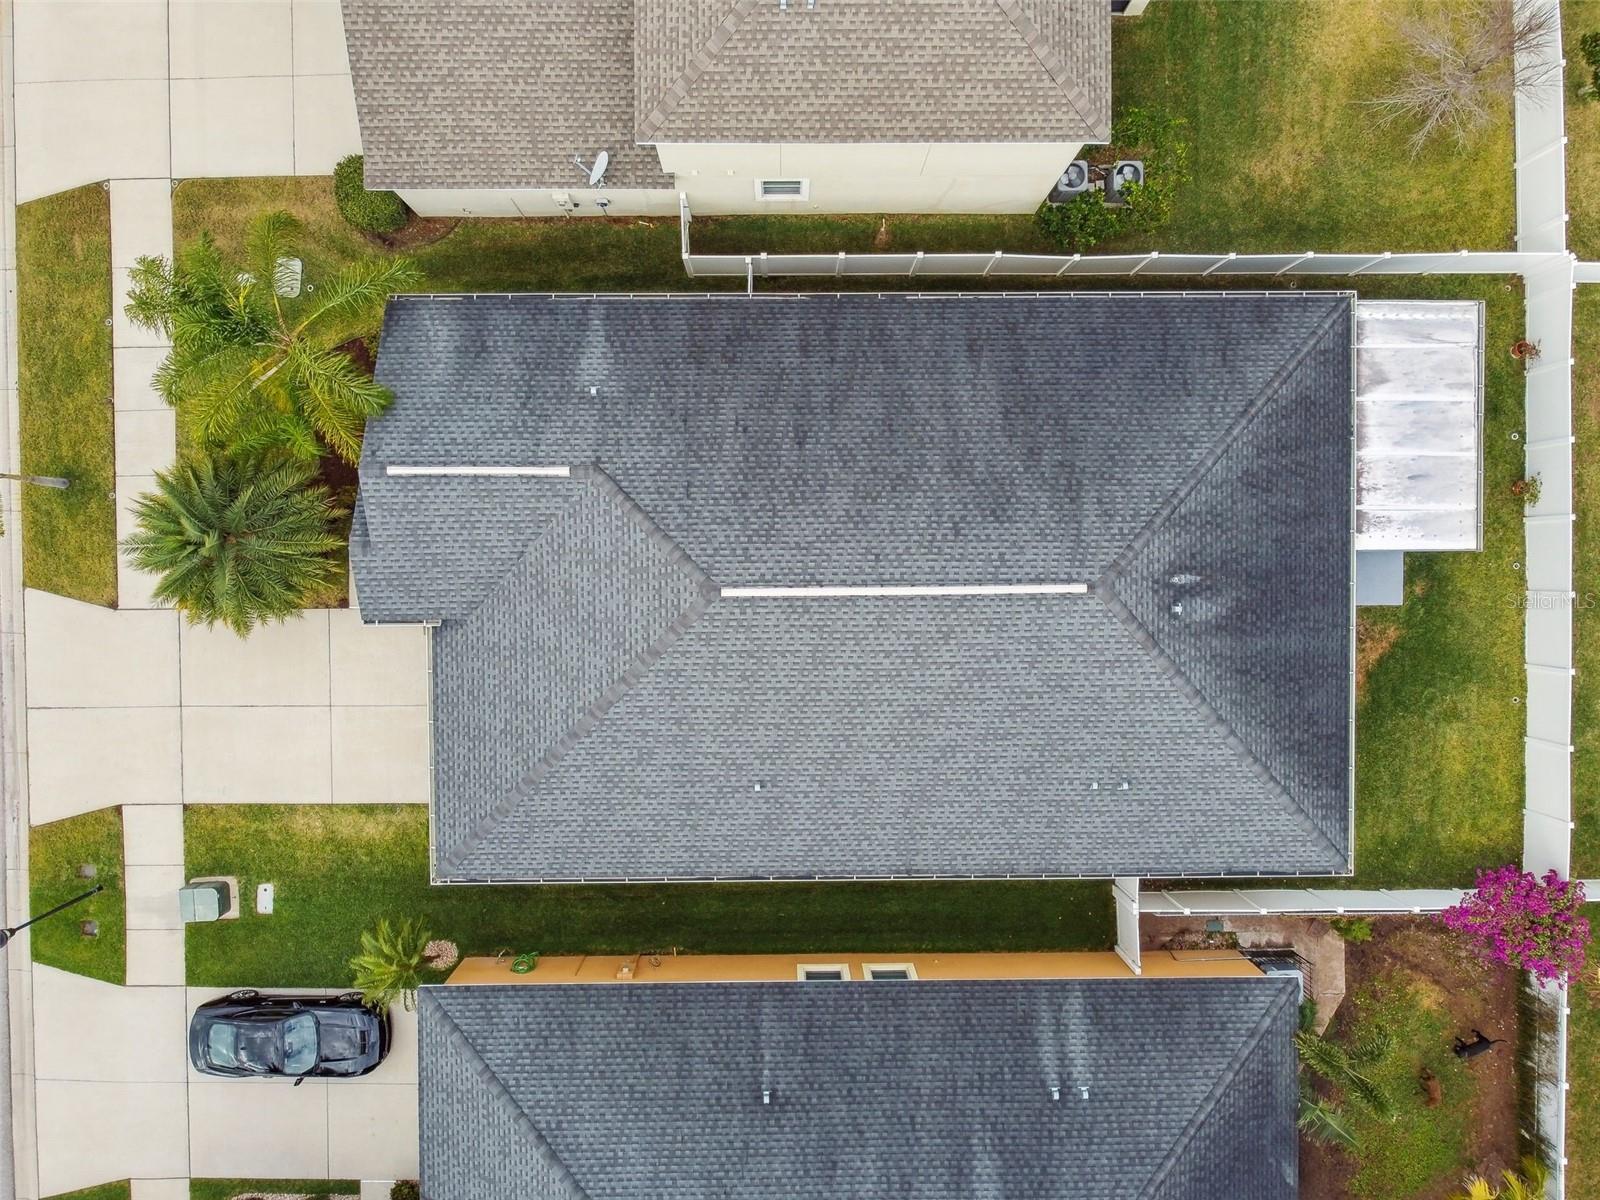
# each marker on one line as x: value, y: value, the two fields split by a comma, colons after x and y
x: 348, y: 1042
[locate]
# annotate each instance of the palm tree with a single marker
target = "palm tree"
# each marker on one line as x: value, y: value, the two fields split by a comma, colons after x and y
x: 251, y: 370
x: 235, y: 540
x: 1344, y: 1069
x: 391, y: 963
x: 1529, y: 1185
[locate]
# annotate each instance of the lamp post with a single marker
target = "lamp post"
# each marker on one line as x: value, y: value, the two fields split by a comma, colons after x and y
x: 7, y: 934
x: 49, y: 481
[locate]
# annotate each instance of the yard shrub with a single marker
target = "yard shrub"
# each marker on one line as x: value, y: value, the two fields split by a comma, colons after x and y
x: 1151, y: 135
x: 1353, y: 929
x: 405, y: 1189
x: 370, y: 212
x: 1524, y: 921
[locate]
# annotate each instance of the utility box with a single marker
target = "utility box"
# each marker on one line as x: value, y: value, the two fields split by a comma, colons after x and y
x: 204, y: 901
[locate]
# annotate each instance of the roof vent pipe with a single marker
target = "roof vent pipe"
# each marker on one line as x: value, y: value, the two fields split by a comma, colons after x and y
x: 766, y: 1096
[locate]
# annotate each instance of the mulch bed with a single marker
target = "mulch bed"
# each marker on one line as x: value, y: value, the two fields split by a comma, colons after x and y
x: 419, y: 231
x: 1474, y: 997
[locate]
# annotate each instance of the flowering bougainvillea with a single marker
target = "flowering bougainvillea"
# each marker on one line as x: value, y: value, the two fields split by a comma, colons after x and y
x: 1516, y: 918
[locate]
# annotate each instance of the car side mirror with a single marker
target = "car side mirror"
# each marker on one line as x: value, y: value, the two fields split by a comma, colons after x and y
x: 299, y: 1081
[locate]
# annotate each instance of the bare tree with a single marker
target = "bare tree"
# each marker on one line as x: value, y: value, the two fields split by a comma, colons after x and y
x: 1463, y: 61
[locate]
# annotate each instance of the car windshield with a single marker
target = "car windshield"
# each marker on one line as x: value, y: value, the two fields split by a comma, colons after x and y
x: 299, y: 1044
x: 288, y: 1047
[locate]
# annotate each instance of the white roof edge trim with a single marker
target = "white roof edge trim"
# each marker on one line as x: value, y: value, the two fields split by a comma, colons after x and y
x: 824, y: 592
x: 538, y: 472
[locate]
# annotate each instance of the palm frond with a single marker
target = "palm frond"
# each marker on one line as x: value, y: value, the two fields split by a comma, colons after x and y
x: 1324, y: 1122
x: 357, y: 291
x: 270, y: 239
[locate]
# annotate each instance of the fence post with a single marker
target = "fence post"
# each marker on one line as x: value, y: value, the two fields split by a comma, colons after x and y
x: 1232, y: 254
x: 916, y: 264
x: 1154, y: 254
x: 997, y: 256
x: 1066, y: 266
x: 1373, y: 263
x: 838, y: 265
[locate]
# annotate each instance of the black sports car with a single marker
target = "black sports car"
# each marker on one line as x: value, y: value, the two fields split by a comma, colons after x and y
x: 247, y: 1033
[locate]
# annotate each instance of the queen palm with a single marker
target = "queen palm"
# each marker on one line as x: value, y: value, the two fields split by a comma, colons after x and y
x: 235, y: 540
x: 251, y: 369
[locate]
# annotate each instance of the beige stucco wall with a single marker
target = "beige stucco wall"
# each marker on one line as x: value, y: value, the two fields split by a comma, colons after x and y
x: 496, y: 202
x: 777, y: 968
x: 930, y: 177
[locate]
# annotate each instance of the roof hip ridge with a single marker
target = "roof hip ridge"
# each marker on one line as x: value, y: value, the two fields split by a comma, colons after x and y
x: 1208, y: 1103
x: 668, y: 100
x: 1213, y: 455
x: 1104, y: 587
x: 707, y: 592
x: 1049, y: 58
x: 501, y: 1095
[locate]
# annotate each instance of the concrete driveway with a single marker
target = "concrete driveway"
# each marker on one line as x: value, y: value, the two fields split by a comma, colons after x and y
x: 339, y: 1129
x: 116, y: 1098
x: 176, y: 89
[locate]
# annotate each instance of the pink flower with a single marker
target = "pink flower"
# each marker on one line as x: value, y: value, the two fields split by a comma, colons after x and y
x: 1523, y: 921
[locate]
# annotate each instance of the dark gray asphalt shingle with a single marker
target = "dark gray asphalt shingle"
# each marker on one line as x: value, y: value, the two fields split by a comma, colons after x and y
x: 867, y: 440
x: 920, y: 1089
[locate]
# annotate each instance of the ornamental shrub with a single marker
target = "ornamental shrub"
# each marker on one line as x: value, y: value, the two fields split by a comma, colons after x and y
x: 371, y: 212
x: 1157, y: 139
x: 1524, y: 921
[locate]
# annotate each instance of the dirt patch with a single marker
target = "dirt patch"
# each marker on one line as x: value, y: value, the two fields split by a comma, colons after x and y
x: 419, y: 231
x: 1373, y: 641
x: 1415, y: 952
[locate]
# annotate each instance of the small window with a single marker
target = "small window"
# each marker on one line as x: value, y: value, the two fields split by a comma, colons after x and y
x: 822, y: 972
x: 891, y: 971
x: 782, y: 189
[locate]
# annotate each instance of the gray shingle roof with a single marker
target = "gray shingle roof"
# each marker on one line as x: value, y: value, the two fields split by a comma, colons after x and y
x: 916, y: 1089
x: 601, y: 712
x: 869, y: 71
x: 503, y: 93
x: 495, y: 93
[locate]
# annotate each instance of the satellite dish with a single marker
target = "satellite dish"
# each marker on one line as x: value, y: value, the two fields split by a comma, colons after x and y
x: 597, y: 172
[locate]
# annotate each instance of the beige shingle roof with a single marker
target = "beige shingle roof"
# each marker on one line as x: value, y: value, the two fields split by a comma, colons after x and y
x: 503, y: 93
x: 872, y: 70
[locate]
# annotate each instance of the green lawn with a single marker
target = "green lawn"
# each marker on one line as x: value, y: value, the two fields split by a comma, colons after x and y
x: 1579, y: 17
x: 64, y: 390
x: 227, y: 1189
x: 54, y: 852
x: 1410, y: 1155
x: 1282, y: 152
x: 339, y: 868
x: 1585, y: 566
x: 1439, y: 732
x: 105, y: 1191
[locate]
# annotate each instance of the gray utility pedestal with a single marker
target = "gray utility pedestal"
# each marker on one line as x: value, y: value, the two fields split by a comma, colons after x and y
x: 204, y: 901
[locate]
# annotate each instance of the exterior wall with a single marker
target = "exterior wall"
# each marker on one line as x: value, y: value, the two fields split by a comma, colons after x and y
x: 503, y: 202
x: 784, y: 968
x: 931, y: 177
